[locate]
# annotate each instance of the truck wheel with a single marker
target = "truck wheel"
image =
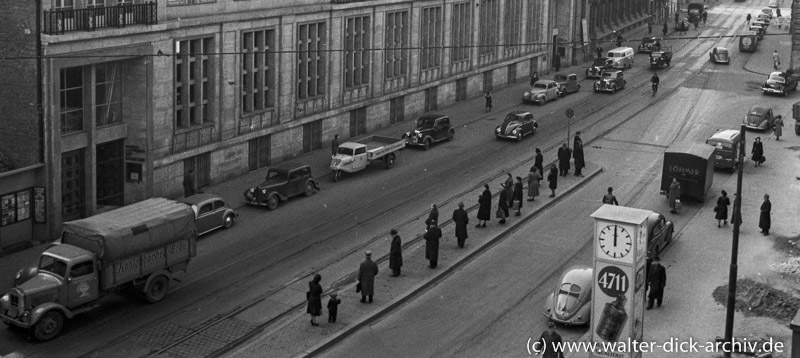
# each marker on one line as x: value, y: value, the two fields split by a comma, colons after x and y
x: 227, y: 221
x: 309, y: 189
x: 389, y: 161
x: 49, y: 326
x: 272, y: 202
x: 427, y: 144
x: 157, y: 290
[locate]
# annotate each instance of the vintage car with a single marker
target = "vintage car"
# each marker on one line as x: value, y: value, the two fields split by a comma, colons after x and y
x: 763, y: 20
x: 659, y: 233
x: 211, y: 212
x: 720, y: 55
x: 661, y: 58
x: 282, y: 182
x: 767, y: 11
x: 571, y: 300
x: 726, y: 148
x: 682, y: 25
x: 759, y: 29
x: 567, y: 83
x: 759, y: 117
x: 649, y: 44
x: 611, y: 81
x: 779, y: 83
x: 516, y: 125
x: 597, y: 67
x: 542, y: 92
x: 430, y: 128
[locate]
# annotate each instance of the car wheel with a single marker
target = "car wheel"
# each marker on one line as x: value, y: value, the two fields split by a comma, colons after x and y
x: 49, y: 326
x: 613, y: 89
x: 157, y: 289
x: 272, y: 201
x: 227, y: 221
x: 427, y: 144
x: 519, y: 137
x: 309, y: 189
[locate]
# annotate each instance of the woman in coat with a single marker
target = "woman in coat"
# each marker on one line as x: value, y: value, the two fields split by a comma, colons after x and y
x: 722, y: 208
x: 395, y: 254
x: 552, y: 178
x: 314, y: 299
x: 778, y: 127
x: 764, y: 220
x: 502, y: 204
x: 758, y: 151
x: 461, y: 219
x: 736, y: 217
x: 674, y: 195
x: 484, y: 206
x: 533, y: 183
x: 517, y: 195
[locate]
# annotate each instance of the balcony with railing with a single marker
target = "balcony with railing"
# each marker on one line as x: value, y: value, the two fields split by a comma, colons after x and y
x: 65, y: 20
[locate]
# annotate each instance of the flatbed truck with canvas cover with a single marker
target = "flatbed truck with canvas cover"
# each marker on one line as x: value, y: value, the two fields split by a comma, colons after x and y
x: 140, y: 246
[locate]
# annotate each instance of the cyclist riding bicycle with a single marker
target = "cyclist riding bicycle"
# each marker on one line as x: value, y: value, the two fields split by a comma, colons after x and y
x: 655, y: 81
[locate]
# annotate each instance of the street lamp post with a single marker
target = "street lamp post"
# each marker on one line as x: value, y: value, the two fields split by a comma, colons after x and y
x: 737, y: 212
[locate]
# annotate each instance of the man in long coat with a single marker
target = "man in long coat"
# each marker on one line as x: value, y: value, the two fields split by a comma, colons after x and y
x: 432, y: 244
x: 657, y: 281
x: 549, y: 343
x: 674, y: 195
x: 484, y: 206
x: 577, y: 154
x: 564, y: 154
x: 433, y: 217
x: 366, y: 277
x: 764, y: 220
x: 461, y: 219
x: 538, y: 161
x: 502, y: 204
x: 509, y: 186
x: 395, y: 254
x: 518, y: 194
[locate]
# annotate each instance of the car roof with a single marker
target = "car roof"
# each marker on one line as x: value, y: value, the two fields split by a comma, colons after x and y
x: 721, y: 48
x: 199, y: 198
x: 725, y: 134
x: 432, y: 116
x: 759, y: 108
x: 545, y: 81
x: 519, y: 113
x: 580, y: 275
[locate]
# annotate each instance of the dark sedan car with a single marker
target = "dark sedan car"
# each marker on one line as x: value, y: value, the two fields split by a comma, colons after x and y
x: 759, y: 117
x: 779, y: 83
x: 211, y: 212
x: 282, y: 182
x: 597, y: 67
x: 516, y: 125
x: 720, y: 55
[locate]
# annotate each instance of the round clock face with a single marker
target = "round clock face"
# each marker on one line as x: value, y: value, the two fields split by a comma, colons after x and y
x: 615, y: 241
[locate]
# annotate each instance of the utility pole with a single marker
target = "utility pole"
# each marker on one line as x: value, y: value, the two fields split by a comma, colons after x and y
x: 737, y: 212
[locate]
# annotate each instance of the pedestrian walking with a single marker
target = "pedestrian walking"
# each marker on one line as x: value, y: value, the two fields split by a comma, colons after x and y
x: 704, y: 16
x: 189, y: 188
x: 764, y: 220
x: 577, y: 154
x: 650, y: 26
x: 335, y: 145
x: 516, y: 198
x: 484, y: 206
x: 502, y: 205
x: 778, y: 12
x: 656, y: 281
x: 778, y: 127
x: 599, y: 51
x: 609, y: 197
x: 677, y: 15
x: 433, y: 216
x: 757, y: 153
x: 550, y: 343
x: 534, y: 78
x: 395, y: 253
x: 674, y: 195
x: 564, y: 155
x: 461, y: 219
x: 314, y: 297
x: 557, y: 62
x: 432, y: 236
x: 736, y: 217
x: 366, y: 277
x: 509, y: 185
x: 619, y: 40
x: 533, y: 183
x: 333, y: 307
x: 747, y: 19
x: 776, y: 59
x: 538, y: 161
x: 552, y: 179
x: 488, y: 97
x: 665, y: 29
x: 721, y: 209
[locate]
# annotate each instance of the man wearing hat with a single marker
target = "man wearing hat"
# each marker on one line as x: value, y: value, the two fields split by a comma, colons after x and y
x: 549, y: 344
x: 395, y: 254
x: 431, y: 237
x: 366, y: 277
x: 657, y: 280
x: 577, y: 154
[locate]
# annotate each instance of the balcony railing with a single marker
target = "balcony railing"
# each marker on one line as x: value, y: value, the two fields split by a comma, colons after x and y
x: 61, y: 21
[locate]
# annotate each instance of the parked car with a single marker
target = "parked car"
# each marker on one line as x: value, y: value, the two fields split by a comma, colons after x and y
x: 720, y: 55
x: 611, y: 81
x: 567, y: 83
x: 283, y: 181
x: 597, y: 67
x: 649, y: 44
x: 661, y: 58
x: 779, y: 83
x: 430, y: 128
x: 542, y: 92
x: 659, y: 234
x: 516, y: 125
x: 682, y: 25
x: 759, y: 29
x: 759, y: 117
x: 571, y: 300
x: 211, y: 212
x: 767, y: 11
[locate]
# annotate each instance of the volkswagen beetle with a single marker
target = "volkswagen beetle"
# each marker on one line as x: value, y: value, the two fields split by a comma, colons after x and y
x: 516, y: 125
x: 759, y: 117
x: 542, y: 92
x: 720, y: 55
x: 571, y: 301
x: 211, y: 212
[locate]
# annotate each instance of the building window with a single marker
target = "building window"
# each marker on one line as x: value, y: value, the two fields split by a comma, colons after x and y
x: 311, y: 46
x: 356, y: 52
x: 258, y: 70
x: 15, y: 207
x: 192, y: 82
x: 535, y: 23
x: 95, y: 3
x: 489, y: 27
x: 108, y: 94
x: 396, y: 44
x: 64, y: 4
x: 513, y: 23
x: 461, y: 32
x: 431, y: 37
x: 72, y: 185
x: 71, y: 95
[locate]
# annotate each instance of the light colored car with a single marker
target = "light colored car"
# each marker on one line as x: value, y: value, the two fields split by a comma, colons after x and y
x: 571, y: 301
x: 516, y: 125
x: 720, y: 55
x: 542, y: 92
x: 567, y: 83
x: 211, y: 212
x: 759, y: 117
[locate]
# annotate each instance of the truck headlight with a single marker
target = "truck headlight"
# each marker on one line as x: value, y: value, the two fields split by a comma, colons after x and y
x: 527, y: 94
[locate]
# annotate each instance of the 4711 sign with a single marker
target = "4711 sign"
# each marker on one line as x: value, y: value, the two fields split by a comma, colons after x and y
x: 613, y: 281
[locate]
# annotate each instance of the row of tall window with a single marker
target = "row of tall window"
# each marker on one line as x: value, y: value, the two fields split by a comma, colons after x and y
x: 97, y: 87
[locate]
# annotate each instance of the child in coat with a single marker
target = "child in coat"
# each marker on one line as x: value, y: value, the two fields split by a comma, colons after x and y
x: 333, y: 307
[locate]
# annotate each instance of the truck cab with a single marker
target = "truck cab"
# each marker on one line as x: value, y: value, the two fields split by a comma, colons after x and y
x: 351, y: 157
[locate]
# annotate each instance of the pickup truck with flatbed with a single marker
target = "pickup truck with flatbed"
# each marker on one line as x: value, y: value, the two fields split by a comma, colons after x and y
x: 354, y: 156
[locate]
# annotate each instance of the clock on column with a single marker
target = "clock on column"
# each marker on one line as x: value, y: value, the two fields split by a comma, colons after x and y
x: 615, y: 241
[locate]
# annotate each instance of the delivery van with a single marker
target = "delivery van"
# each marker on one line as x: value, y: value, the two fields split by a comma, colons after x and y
x: 621, y: 57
